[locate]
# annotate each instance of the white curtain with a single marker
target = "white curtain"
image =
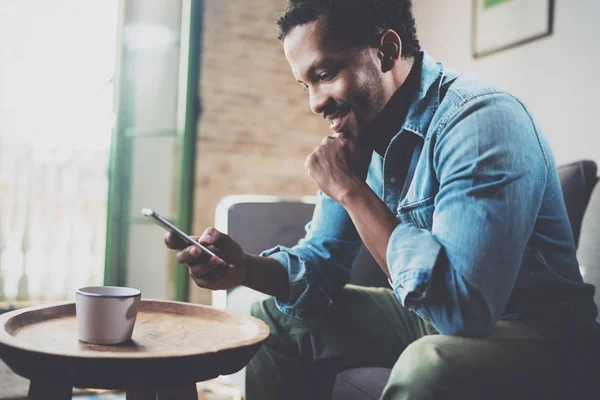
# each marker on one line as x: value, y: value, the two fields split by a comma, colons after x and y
x: 56, y: 116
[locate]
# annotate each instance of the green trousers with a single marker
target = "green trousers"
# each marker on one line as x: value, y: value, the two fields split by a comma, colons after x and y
x: 368, y: 327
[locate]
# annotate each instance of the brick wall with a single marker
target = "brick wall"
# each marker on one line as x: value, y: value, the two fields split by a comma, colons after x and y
x: 256, y: 128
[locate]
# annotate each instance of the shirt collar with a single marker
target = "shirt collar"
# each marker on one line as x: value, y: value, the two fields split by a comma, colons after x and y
x: 427, y: 98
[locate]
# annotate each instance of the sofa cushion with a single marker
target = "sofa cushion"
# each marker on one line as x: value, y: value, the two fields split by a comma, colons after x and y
x: 588, y: 251
x: 361, y: 383
x: 577, y: 180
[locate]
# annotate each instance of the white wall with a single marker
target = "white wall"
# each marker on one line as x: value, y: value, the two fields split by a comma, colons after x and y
x: 557, y: 76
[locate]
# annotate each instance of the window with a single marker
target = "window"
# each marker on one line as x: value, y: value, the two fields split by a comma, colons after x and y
x: 56, y: 117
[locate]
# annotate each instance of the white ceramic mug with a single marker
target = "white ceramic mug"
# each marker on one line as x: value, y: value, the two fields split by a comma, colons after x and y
x: 106, y: 314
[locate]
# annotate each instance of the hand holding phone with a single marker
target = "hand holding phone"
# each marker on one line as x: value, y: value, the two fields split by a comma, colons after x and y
x: 167, y: 225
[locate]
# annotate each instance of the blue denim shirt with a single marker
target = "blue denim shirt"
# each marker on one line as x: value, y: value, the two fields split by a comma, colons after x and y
x: 483, y: 232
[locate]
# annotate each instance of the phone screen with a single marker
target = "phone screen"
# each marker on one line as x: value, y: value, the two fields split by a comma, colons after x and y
x: 167, y: 225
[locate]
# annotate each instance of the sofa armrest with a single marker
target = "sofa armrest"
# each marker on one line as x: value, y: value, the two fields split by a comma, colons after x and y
x: 577, y: 180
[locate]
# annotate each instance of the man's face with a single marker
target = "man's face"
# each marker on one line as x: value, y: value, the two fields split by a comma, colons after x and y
x: 344, y: 84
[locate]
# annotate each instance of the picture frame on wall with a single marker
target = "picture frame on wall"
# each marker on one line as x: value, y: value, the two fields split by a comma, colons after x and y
x: 502, y: 24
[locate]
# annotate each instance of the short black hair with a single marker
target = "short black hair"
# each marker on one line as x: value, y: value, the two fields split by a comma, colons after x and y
x: 359, y: 21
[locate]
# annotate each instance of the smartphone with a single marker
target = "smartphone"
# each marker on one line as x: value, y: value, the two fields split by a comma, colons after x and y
x: 162, y: 221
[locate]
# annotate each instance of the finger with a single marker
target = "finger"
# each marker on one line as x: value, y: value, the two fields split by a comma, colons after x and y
x: 173, y: 242
x: 200, y: 271
x: 189, y: 255
x: 308, y: 162
x: 205, y: 283
x: 209, y: 236
x: 205, y: 260
x: 211, y: 280
x: 327, y: 139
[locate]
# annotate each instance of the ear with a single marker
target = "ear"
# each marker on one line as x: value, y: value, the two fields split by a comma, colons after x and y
x: 390, y: 49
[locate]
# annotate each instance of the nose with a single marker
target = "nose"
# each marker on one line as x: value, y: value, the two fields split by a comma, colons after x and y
x: 318, y: 100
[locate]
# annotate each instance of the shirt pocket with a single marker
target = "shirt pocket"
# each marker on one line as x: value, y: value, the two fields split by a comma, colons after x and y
x: 418, y: 213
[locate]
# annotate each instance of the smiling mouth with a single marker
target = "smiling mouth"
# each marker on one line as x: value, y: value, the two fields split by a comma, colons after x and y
x: 337, y: 121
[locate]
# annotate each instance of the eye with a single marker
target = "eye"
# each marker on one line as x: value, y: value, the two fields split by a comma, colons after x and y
x: 325, y: 76
x: 304, y: 85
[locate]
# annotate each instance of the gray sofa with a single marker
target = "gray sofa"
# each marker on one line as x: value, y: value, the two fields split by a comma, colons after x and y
x: 259, y: 223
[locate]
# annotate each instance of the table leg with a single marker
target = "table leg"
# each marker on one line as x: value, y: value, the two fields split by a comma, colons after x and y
x: 39, y: 390
x: 148, y: 394
x: 184, y: 392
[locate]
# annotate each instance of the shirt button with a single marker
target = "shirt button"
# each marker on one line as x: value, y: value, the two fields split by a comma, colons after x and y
x: 393, y: 179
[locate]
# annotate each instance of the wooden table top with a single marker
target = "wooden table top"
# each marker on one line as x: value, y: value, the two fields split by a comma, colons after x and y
x: 168, y: 338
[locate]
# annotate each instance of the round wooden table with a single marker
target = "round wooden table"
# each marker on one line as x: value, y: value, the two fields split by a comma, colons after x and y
x: 174, y: 345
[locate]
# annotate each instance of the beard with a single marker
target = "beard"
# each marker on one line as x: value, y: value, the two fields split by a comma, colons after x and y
x: 372, y: 101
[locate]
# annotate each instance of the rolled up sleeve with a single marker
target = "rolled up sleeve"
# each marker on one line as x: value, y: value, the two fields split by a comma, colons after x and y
x: 320, y: 264
x: 412, y: 254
